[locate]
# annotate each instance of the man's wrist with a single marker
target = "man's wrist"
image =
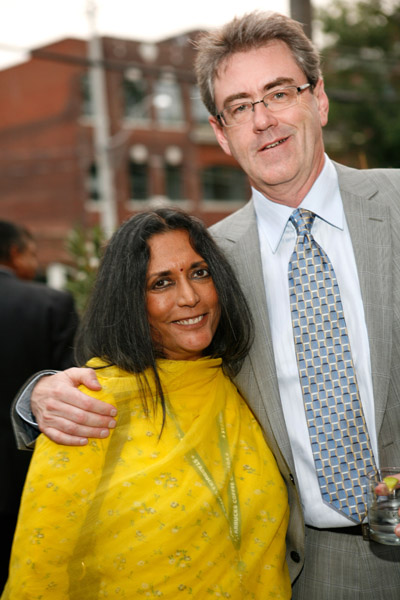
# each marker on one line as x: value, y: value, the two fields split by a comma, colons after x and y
x: 23, y: 402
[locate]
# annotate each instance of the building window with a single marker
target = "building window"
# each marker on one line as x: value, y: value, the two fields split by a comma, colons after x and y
x: 173, y: 182
x: 167, y: 101
x: 86, y: 96
x: 139, y: 181
x: 224, y: 183
x: 92, y: 183
x: 136, y: 96
x: 199, y: 112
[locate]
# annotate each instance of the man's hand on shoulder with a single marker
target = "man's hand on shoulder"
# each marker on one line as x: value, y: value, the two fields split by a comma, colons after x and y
x: 67, y: 415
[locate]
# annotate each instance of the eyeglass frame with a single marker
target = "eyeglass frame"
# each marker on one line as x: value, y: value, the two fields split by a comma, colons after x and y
x: 299, y: 90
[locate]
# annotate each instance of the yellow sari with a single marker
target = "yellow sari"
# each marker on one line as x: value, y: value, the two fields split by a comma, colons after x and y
x: 200, y: 512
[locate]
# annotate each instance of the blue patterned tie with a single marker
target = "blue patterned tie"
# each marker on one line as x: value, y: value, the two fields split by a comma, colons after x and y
x: 338, y: 432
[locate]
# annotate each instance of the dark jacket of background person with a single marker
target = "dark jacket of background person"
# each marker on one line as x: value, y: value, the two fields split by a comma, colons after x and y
x: 37, y: 329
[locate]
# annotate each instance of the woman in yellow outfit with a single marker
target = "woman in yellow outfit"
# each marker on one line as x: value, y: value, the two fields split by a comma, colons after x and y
x: 184, y: 499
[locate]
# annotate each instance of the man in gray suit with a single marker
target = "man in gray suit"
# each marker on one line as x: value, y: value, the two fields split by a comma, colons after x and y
x: 261, y: 82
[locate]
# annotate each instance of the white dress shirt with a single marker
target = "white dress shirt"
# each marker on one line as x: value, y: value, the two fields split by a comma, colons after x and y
x: 277, y: 240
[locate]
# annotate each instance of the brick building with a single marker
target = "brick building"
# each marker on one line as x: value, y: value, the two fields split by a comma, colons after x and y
x: 161, y: 147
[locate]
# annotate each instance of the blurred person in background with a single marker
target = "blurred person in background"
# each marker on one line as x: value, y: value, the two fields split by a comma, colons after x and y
x: 37, y: 329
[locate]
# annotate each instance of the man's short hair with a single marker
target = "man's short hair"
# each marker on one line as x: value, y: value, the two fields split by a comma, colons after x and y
x: 253, y: 30
x: 11, y: 235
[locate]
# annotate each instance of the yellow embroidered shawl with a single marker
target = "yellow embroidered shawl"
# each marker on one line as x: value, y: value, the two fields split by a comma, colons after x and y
x: 199, y: 512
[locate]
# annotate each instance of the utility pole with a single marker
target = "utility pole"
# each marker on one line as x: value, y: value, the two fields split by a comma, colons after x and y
x: 301, y: 10
x: 97, y: 83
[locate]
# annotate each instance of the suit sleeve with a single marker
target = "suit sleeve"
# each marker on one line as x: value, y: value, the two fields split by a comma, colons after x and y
x: 26, y: 431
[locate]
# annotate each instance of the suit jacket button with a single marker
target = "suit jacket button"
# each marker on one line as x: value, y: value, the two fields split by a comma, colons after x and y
x: 295, y: 556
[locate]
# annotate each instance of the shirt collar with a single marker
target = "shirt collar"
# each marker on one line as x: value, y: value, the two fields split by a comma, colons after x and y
x: 323, y: 199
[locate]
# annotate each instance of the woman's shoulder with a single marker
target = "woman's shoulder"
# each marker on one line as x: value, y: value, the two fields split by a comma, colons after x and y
x: 115, y: 382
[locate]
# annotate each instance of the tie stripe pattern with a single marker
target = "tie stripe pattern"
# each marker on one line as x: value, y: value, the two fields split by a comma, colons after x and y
x: 338, y: 432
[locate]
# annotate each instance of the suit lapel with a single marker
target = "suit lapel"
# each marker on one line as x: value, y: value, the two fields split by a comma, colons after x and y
x: 369, y: 225
x: 260, y: 366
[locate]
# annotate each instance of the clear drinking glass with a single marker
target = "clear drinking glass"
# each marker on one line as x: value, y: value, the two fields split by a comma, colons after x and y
x: 384, y: 505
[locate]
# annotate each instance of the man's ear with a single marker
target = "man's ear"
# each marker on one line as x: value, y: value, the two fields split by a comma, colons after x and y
x: 322, y: 101
x: 220, y: 134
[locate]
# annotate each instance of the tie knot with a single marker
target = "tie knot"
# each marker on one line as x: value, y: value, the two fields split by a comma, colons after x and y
x: 303, y: 220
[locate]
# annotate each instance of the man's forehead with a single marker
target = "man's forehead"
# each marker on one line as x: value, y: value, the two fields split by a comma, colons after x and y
x: 256, y: 51
x: 256, y: 67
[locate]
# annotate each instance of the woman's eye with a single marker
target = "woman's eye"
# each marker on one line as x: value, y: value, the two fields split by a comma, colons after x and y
x: 160, y: 284
x: 201, y: 273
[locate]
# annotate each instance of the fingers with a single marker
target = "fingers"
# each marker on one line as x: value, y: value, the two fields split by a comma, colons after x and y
x: 382, y: 489
x: 63, y: 438
x: 76, y: 427
x: 83, y: 376
x: 77, y: 436
x: 80, y: 410
x: 397, y: 528
x: 67, y: 415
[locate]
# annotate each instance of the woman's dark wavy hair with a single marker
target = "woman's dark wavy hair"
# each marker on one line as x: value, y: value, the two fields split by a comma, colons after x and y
x: 115, y: 326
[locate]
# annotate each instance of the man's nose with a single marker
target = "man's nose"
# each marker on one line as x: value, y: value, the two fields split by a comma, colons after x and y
x: 263, y: 117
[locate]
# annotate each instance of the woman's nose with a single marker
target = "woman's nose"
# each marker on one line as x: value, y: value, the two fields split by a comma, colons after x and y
x: 187, y: 294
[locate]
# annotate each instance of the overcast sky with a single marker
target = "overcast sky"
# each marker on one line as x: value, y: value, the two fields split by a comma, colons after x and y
x: 32, y: 23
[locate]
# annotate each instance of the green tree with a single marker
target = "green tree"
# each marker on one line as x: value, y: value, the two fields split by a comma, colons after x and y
x: 361, y: 64
x: 85, y: 247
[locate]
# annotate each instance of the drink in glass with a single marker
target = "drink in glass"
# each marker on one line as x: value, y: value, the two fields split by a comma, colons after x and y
x: 384, y: 505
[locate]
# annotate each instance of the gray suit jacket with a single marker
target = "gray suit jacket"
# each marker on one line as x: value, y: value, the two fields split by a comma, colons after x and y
x: 372, y: 206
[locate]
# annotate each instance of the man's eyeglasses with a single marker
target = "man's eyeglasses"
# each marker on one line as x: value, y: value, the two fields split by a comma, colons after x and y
x: 280, y: 99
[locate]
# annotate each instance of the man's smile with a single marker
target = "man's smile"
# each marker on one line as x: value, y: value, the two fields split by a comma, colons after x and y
x: 274, y: 144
